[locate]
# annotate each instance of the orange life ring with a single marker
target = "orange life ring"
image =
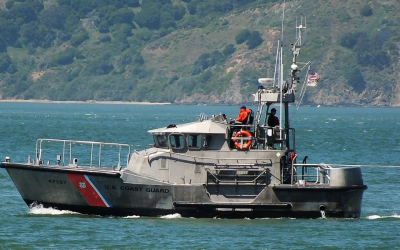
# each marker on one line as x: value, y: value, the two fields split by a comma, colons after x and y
x: 243, y: 146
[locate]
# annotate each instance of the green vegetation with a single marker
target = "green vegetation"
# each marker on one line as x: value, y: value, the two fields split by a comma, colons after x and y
x: 254, y: 40
x: 164, y: 51
x: 366, y: 10
x: 242, y: 36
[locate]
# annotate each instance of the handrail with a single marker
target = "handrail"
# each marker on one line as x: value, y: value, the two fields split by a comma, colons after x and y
x: 236, y: 181
x: 321, y: 168
x: 39, y: 150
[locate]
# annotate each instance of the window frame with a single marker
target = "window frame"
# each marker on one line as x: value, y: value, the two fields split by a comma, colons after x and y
x: 200, y: 141
x: 183, y: 141
x: 157, y: 141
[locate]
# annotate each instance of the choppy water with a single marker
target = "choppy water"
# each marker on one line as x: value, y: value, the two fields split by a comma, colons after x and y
x: 331, y: 135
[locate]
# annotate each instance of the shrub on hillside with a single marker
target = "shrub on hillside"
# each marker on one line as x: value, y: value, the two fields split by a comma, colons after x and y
x: 356, y: 80
x: 3, y: 45
x: 104, y: 27
x: 63, y: 58
x: 79, y: 38
x: 9, y: 4
x: 216, y: 58
x: 5, y: 62
x: 349, y: 40
x: 105, y: 39
x: 254, y: 40
x: 205, y: 76
x: 99, y: 67
x: 229, y: 50
x: 242, y: 36
x: 192, y: 7
x: 366, y: 10
x: 132, y: 3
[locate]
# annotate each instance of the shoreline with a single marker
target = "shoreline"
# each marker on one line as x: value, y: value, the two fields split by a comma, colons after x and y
x: 87, y: 102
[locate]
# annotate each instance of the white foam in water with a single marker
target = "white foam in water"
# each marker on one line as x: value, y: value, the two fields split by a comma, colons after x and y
x: 374, y: 217
x: 132, y: 217
x: 39, y: 209
x: 323, y: 216
x: 171, y: 216
x: 280, y: 218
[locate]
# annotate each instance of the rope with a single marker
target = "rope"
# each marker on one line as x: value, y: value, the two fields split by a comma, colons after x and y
x: 373, y: 166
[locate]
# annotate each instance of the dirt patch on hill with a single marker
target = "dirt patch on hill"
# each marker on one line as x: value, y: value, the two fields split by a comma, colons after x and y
x: 37, y: 74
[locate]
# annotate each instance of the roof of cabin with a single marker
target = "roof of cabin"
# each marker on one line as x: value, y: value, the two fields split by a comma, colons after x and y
x: 198, y: 127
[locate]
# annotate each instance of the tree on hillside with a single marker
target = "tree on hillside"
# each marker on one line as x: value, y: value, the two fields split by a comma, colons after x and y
x: 176, y: 11
x: 356, y: 80
x: 79, y: 38
x: 124, y: 15
x: 254, y: 40
x: 64, y: 57
x: 53, y: 17
x: 366, y: 10
x: 148, y: 17
x: 3, y: 45
x: 9, y: 4
x: 192, y: 7
x: 229, y: 50
x: 28, y: 33
x: 132, y: 3
x: 216, y: 58
x: 242, y: 36
x: 9, y: 31
x: 26, y: 12
x: 223, y: 6
x: 166, y: 20
x: 5, y: 62
x: 348, y: 40
x: 201, y: 64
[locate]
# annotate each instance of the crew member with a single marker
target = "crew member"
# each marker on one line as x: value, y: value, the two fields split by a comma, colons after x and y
x: 272, y: 119
x: 242, y: 118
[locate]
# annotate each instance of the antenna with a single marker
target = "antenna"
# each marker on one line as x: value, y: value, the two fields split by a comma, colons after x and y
x: 283, y: 16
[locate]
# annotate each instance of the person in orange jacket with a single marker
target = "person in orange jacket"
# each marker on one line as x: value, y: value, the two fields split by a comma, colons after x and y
x: 242, y: 118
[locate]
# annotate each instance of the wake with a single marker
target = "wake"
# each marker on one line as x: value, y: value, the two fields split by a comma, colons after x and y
x: 376, y: 217
x: 40, y: 210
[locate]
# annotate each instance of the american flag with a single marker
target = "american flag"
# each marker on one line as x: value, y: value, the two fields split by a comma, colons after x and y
x: 313, y: 76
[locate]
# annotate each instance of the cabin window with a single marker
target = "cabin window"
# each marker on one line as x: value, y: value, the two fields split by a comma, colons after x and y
x: 194, y: 141
x: 177, y: 141
x: 161, y: 141
x: 207, y: 141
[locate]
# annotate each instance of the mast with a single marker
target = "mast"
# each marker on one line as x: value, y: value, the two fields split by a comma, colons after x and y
x: 281, y: 87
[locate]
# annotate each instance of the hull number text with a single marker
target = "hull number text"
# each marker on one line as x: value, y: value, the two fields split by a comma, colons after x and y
x: 52, y: 181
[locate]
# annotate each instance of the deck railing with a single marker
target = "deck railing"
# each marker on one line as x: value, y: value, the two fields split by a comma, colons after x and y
x: 89, y: 153
x: 303, y: 173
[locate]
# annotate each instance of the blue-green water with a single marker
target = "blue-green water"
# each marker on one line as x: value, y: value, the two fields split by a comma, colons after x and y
x: 331, y: 135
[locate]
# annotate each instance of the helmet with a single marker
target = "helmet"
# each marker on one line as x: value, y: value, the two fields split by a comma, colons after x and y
x: 243, y: 107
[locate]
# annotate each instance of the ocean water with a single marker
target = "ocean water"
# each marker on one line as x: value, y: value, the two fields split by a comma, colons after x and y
x: 367, y: 136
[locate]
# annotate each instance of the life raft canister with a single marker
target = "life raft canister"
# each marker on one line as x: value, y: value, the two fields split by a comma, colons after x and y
x: 243, y: 133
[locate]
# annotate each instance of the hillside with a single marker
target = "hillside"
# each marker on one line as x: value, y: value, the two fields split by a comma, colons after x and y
x: 195, y: 51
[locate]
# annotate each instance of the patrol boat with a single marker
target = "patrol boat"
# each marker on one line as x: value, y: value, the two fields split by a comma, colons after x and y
x: 207, y: 168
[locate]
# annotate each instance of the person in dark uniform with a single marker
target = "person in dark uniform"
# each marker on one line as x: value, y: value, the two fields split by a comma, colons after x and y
x: 272, y: 119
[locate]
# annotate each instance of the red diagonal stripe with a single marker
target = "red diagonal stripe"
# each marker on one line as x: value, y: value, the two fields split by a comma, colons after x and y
x: 86, y: 190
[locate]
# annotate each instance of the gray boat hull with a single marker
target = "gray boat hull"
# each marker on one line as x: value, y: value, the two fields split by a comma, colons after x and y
x: 115, y: 193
